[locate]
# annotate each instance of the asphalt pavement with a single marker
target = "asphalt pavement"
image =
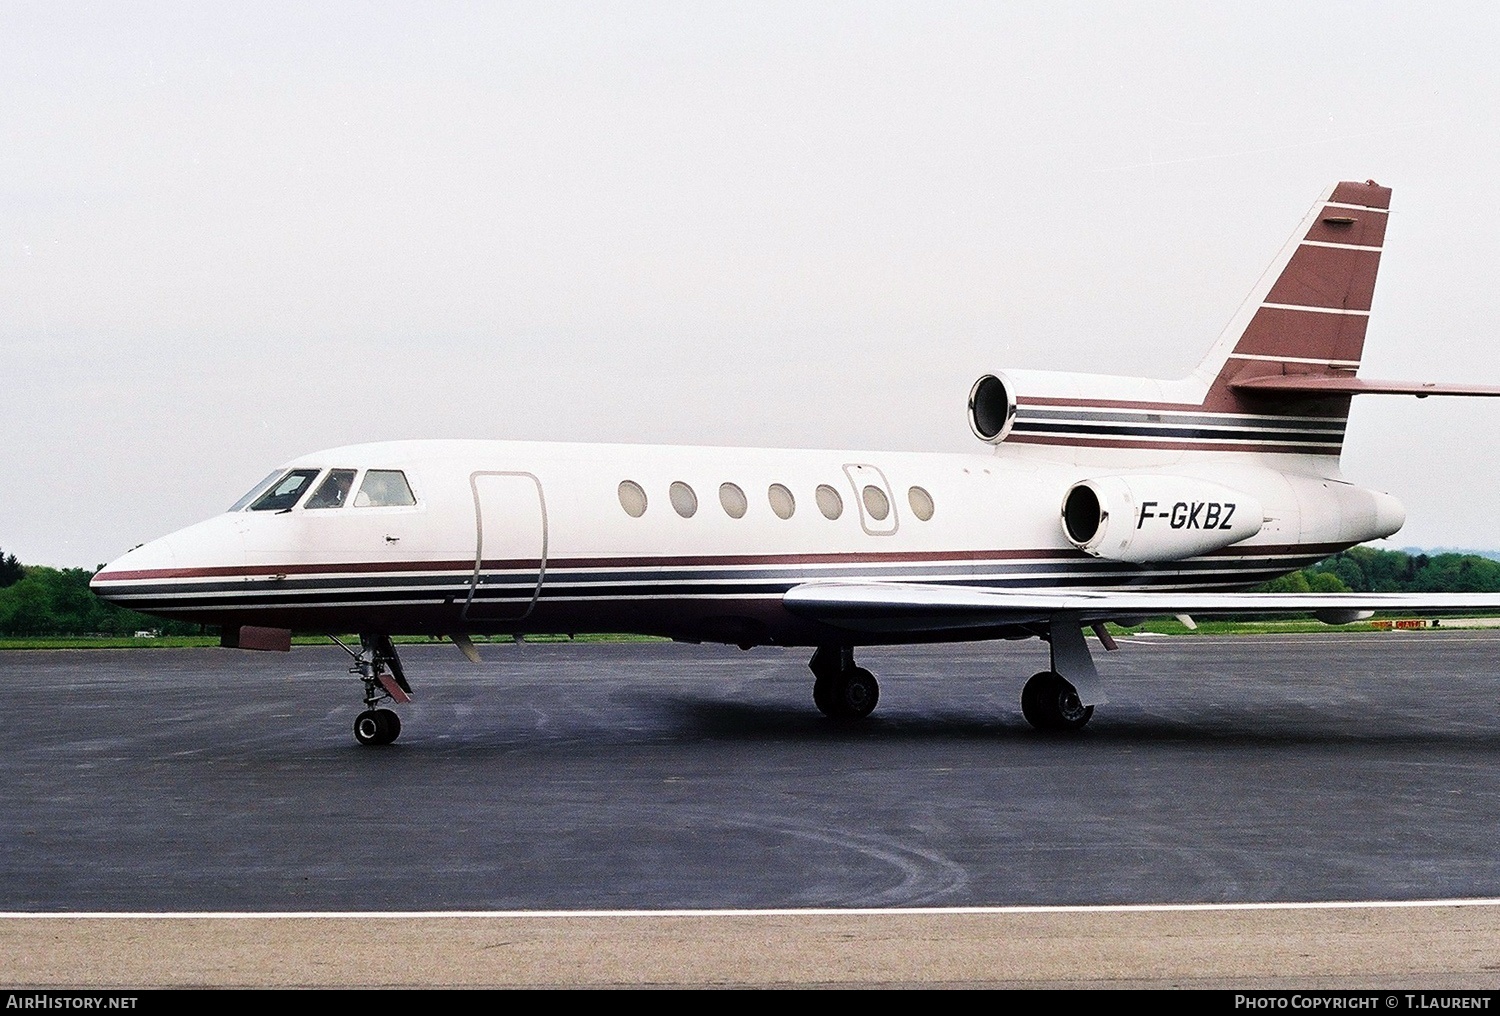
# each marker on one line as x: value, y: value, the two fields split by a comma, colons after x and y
x: 649, y: 777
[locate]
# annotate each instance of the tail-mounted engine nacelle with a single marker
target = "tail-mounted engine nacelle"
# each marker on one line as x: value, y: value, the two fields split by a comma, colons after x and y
x: 992, y: 408
x: 1156, y: 518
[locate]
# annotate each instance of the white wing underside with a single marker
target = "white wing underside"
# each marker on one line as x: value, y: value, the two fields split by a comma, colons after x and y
x: 889, y: 607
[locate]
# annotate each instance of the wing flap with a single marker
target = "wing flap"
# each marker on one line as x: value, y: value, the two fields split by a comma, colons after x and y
x: 888, y: 607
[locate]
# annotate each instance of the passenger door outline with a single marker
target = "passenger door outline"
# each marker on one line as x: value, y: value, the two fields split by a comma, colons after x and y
x: 503, y: 494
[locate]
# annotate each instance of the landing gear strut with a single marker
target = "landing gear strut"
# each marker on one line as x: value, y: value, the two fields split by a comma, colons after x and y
x: 378, y: 666
x: 841, y: 690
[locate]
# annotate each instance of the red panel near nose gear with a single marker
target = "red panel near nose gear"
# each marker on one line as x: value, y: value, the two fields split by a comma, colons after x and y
x: 392, y: 688
x: 274, y: 640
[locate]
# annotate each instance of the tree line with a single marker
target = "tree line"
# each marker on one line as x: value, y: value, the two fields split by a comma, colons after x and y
x: 1367, y: 570
x: 36, y: 600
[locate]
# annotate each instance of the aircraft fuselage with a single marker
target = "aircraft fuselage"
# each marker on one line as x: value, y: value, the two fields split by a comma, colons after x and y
x: 527, y: 538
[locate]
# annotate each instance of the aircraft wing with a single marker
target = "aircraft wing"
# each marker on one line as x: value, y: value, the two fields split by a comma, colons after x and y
x: 888, y: 607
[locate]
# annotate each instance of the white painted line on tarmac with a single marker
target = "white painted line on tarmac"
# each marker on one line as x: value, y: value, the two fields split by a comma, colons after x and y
x: 1131, y: 908
x: 1303, y: 639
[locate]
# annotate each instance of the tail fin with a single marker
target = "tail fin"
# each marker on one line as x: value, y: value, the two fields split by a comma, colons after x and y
x: 1278, y: 380
x: 1309, y: 314
x: 1305, y: 321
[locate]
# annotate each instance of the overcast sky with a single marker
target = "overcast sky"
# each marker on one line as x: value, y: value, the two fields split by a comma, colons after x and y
x: 232, y: 237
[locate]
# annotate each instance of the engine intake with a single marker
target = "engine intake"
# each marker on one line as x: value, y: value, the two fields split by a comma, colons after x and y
x: 992, y: 408
x: 1156, y: 518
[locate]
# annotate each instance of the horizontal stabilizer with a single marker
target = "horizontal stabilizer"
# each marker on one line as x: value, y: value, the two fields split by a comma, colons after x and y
x: 890, y: 607
x: 1320, y: 384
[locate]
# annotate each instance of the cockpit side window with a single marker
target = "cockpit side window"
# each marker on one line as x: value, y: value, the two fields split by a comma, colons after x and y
x: 255, y: 491
x: 285, y: 492
x: 333, y: 491
x: 384, y: 488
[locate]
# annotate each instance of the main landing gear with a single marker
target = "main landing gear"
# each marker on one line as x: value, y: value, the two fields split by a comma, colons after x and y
x: 1054, y: 703
x: 1049, y: 702
x: 841, y: 690
x: 378, y: 666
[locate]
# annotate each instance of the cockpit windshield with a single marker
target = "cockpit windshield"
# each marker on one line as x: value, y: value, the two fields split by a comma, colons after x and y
x: 286, y: 492
x: 283, y: 489
x: 334, y: 491
x: 255, y: 491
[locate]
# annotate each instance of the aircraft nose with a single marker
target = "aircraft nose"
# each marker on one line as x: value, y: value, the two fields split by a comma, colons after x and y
x: 145, y: 562
x: 158, y: 577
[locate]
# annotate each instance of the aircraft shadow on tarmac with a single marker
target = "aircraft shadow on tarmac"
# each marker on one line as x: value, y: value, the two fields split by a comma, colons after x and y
x: 692, y: 718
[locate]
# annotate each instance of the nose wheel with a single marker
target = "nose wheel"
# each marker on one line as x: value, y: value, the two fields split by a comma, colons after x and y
x: 379, y: 668
x: 377, y: 726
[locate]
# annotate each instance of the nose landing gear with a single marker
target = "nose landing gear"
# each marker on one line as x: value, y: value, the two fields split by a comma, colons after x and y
x: 377, y: 665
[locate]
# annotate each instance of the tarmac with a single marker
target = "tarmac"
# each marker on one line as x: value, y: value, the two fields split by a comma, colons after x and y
x: 655, y: 814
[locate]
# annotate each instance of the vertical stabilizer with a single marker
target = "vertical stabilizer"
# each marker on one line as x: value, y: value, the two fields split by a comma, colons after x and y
x: 1278, y: 380
x: 1309, y: 313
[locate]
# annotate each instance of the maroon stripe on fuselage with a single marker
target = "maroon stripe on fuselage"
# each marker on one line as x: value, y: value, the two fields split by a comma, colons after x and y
x: 1237, y: 407
x: 894, y: 557
x: 264, y: 570
x: 1090, y: 403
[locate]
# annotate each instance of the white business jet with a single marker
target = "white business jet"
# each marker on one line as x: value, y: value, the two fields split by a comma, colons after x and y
x: 1095, y: 498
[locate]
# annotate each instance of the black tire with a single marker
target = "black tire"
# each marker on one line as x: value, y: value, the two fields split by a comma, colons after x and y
x: 1050, y: 703
x: 823, y: 695
x: 369, y: 728
x: 1031, y: 708
x: 392, y: 725
x: 855, y: 693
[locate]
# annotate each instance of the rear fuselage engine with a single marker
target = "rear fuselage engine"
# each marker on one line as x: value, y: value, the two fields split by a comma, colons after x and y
x: 1156, y: 518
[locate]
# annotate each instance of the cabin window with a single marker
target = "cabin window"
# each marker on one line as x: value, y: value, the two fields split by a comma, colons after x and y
x: 876, y: 503
x: 632, y: 498
x: 734, y: 500
x: 684, y: 501
x: 384, y: 488
x: 286, y: 492
x: 782, y: 502
x: 333, y: 491
x: 921, y: 503
x: 829, y: 502
x: 255, y: 491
